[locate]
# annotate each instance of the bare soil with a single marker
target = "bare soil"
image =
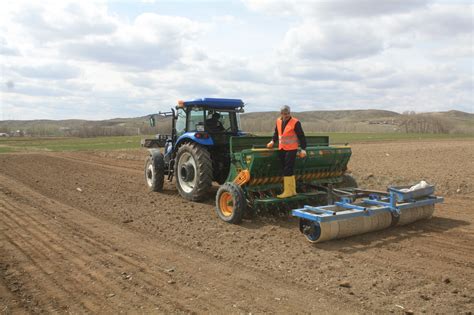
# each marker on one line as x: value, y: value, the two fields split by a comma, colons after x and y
x: 80, y: 233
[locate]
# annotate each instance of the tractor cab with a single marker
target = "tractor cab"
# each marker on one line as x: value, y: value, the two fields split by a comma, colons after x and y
x: 197, y: 150
x: 209, y: 116
x: 210, y: 122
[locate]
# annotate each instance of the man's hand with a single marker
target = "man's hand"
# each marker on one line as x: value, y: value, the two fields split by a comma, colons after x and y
x: 270, y: 144
x: 302, y: 154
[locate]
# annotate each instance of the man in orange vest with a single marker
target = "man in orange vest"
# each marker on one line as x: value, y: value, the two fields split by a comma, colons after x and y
x: 288, y: 132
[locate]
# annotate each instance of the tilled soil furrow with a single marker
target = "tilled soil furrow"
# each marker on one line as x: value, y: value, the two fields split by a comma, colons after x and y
x: 136, y: 159
x: 62, y: 258
x: 217, y: 284
x: 97, y: 254
x: 54, y: 291
x: 70, y: 255
x: 92, y: 162
x: 451, y: 245
x: 265, y: 262
x: 80, y: 259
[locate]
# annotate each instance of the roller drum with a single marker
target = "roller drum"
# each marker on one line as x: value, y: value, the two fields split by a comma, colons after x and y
x: 408, y: 216
x: 364, y: 224
x: 355, y: 226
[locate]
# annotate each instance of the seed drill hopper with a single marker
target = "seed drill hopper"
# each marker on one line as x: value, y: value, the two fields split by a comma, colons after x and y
x: 255, y: 176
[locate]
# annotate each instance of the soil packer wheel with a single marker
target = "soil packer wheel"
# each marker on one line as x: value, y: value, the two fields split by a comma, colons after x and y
x: 193, y: 171
x: 230, y: 203
x: 155, y: 171
x: 311, y: 230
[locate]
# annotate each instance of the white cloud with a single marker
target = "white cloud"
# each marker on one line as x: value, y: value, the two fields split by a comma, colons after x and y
x: 336, y: 8
x: 436, y: 21
x: 6, y: 49
x: 279, y: 7
x: 366, y: 8
x: 63, y: 20
x: 151, y: 41
x: 461, y: 48
x: 51, y: 71
x: 225, y: 19
x: 332, y: 41
x: 99, y: 59
x: 319, y: 71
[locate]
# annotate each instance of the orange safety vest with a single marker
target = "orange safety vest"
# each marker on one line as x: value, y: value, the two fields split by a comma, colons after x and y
x: 287, y: 140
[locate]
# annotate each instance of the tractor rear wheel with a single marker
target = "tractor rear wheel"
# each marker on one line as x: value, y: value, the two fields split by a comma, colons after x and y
x: 230, y: 203
x: 155, y: 171
x: 193, y: 171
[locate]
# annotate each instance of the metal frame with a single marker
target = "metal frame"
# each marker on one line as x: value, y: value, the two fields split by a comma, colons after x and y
x: 375, y: 201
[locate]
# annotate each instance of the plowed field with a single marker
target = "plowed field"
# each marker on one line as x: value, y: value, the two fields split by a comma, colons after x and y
x: 80, y: 233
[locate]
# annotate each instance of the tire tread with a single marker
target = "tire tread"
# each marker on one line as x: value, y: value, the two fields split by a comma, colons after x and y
x: 204, y: 167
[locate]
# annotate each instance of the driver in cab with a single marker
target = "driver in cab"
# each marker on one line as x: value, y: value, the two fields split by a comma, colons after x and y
x: 213, y: 124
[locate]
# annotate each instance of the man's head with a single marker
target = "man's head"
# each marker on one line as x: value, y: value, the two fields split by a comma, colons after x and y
x: 216, y: 115
x: 285, y: 112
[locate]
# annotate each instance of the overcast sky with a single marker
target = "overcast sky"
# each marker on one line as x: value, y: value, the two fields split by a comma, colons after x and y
x: 107, y: 59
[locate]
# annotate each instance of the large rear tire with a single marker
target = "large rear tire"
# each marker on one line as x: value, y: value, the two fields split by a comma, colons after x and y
x: 155, y: 171
x: 230, y: 203
x: 193, y: 171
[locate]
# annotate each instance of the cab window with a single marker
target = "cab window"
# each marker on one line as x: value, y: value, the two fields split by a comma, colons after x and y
x: 217, y: 121
x: 181, y: 122
x: 196, y: 120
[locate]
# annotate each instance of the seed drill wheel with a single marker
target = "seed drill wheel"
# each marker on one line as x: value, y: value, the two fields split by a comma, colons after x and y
x: 155, y: 171
x: 311, y: 230
x: 230, y: 203
x: 193, y: 171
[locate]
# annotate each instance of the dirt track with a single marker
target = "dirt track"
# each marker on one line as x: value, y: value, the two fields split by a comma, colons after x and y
x: 80, y: 233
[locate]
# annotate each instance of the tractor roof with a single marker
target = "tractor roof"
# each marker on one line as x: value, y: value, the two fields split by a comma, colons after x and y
x: 221, y: 103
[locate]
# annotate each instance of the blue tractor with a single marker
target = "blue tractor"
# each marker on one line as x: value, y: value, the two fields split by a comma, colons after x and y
x: 207, y: 145
x: 197, y: 150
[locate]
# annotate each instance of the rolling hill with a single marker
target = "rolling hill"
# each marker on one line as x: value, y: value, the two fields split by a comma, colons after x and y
x: 370, y: 120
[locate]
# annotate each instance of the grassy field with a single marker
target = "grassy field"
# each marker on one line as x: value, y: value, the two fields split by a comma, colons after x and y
x: 369, y: 137
x: 17, y: 144
x: 68, y: 144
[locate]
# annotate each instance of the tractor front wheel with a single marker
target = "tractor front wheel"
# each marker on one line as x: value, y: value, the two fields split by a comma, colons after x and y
x: 193, y: 171
x: 230, y: 203
x: 155, y: 171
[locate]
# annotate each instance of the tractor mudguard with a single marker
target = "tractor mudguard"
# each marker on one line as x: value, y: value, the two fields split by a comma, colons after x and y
x: 153, y: 152
x: 192, y: 136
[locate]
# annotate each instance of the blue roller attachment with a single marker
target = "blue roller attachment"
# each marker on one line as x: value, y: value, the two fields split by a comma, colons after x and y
x: 379, y: 211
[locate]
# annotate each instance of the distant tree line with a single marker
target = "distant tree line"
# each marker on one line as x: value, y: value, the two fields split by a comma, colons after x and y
x: 99, y: 131
x: 422, y: 123
x: 409, y: 122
